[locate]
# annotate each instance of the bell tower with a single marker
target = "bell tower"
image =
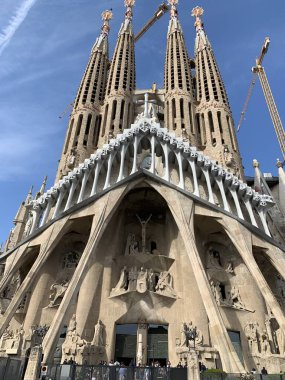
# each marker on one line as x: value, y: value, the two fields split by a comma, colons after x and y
x: 118, y: 107
x: 213, y: 114
x: 179, y: 95
x: 85, y: 121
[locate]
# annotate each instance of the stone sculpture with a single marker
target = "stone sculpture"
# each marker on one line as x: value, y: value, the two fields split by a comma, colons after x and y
x: 142, y: 285
x: 280, y: 339
x: 251, y: 332
x: 190, y: 335
x: 165, y: 284
x: 143, y: 280
x: 132, y: 277
x: 264, y: 344
x: 122, y: 284
x: 57, y: 292
x: 74, y: 346
x: 98, y: 339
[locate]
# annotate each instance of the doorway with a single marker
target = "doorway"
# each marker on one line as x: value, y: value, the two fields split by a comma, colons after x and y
x: 155, y: 346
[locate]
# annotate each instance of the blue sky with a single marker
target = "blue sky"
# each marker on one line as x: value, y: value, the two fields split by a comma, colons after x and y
x: 44, y: 48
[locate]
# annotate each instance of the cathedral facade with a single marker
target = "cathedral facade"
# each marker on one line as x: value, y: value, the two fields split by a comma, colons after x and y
x: 150, y: 231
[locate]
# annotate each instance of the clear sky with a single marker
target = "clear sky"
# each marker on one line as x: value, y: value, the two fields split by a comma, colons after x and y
x: 44, y: 48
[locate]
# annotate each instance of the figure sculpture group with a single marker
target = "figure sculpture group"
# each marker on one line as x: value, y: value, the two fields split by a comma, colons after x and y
x: 78, y: 349
x: 144, y: 279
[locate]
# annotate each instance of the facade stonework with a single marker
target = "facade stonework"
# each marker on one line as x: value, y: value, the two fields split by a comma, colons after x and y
x: 150, y: 231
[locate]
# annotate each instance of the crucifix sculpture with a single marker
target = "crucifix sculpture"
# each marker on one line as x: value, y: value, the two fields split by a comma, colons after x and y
x: 143, y: 224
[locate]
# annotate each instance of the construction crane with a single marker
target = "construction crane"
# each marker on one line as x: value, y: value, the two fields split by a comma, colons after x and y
x: 69, y: 107
x: 162, y: 9
x: 259, y: 70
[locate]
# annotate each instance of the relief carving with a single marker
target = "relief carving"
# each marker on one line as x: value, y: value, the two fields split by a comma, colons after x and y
x: 143, y: 280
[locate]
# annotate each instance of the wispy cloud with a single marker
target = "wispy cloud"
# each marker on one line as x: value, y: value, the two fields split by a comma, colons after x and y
x: 14, y: 23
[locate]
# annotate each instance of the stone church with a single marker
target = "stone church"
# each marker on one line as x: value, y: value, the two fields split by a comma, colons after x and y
x: 151, y: 228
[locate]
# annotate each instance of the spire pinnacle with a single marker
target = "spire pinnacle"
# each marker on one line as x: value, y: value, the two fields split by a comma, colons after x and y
x: 106, y: 17
x: 29, y: 196
x: 198, y: 12
x: 129, y: 5
x: 42, y: 189
x: 173, y: 9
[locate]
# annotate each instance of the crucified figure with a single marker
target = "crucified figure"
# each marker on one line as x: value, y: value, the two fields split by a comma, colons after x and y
x: 143, y: 224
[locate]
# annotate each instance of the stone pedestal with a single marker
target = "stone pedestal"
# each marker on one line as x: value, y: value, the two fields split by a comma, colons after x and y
x: 193, y: 372
x: 33, y: 368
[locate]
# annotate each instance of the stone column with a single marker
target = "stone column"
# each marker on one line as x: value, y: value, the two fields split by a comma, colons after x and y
x: 105, y: 208
x: 51, y: 237
x: 34, y: 364
x: 182, y: 209
x: 242, y: 240
x: 193, y: 372
x: 142, y: 344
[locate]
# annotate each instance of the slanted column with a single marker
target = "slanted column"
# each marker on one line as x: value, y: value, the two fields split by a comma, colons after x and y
x: 181, y: 174
x: 153, y: 144
x: 36, y: 215
x: 105, y: 206
x: 109, y: 169
x: 96, y: 176
x: 262, y: 211
x: 166, y: 151
x: 192, y: 162
x: 242, y: 240
x: 47, y: 210
x: 135, y: 145
x: 122, y: 162
x: 205, y: 169
x: 184, y: 217
x: 74, y: 181
x: 62, y: 192
x: 233, y: 189
x: 219, y: 181
x: 83, y: 184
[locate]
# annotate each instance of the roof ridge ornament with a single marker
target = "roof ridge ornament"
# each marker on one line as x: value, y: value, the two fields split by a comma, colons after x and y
x: 198, y: 12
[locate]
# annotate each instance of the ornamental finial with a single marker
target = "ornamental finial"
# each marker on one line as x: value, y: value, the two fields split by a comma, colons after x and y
x: 129, y: 5
x: 106, y: 17
x: 173, y: 9
x: 280, y: 164
x: 255, y: 163
x: 198, y: 12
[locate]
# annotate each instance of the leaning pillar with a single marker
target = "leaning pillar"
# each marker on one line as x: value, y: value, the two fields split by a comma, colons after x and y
x: 182, y: 209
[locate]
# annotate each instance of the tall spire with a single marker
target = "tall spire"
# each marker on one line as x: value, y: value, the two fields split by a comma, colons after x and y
x: 85, y: 120
x: 213, y: 115
x: 179, y: 94
x: 118, y: 107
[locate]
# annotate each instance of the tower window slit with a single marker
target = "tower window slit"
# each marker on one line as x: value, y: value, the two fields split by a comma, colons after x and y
x: 114, y: 110
x: 68, y: 136
x: 190, y: 117
x: 211, y: 123
x: 173, y: 109
x: 105, y: 119
x: 220, y: 122
x: 181, y: 108
x: 122, y: 110
x: 78, y: 128
x: 87, y: 129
